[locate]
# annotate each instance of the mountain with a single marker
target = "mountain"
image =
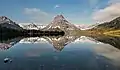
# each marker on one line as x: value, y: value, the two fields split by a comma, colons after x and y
x: 114, y: 24
x: 32, y: 26
x: 60, y: 23
x: 41, y: 26
x: 7, y: 23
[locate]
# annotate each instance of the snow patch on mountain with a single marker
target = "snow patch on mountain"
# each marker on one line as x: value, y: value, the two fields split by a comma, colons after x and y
x: 31, y: 26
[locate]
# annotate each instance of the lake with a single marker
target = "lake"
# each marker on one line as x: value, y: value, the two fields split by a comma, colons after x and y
x: 60, y: 53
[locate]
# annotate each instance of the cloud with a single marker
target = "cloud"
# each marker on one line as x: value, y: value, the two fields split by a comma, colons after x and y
x: 57, y: 6
x: 37, y: 15
x: 108, y: 13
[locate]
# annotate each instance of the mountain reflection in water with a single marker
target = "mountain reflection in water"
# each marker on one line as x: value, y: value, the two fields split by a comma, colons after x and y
x: 59, y: 42
x: 107, y: 56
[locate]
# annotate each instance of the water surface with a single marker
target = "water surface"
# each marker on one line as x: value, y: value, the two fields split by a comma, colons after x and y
x: 60, y: 53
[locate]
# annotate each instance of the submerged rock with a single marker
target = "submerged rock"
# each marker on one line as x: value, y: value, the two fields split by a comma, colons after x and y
x: 6, y: 60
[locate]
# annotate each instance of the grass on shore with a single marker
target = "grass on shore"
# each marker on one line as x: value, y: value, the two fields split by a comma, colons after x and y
x: 97, y: 32
x: 113, y: 33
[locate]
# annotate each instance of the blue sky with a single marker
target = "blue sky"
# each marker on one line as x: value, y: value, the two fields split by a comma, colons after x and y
x: 43, y: 11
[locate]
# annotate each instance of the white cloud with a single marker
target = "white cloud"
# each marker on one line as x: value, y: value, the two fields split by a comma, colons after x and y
x: 37, y: 15
x: 57, y: 6
x: 108, y: 13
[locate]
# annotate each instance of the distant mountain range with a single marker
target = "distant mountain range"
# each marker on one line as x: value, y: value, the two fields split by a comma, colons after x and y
x: 6, y: 23
x: 58, y: 23
x: 32, y: 26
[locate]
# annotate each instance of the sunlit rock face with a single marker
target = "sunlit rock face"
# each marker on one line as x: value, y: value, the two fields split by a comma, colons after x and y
x: 60, y: 23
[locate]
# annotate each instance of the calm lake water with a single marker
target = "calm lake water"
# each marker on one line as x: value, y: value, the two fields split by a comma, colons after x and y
x: 61, y: 53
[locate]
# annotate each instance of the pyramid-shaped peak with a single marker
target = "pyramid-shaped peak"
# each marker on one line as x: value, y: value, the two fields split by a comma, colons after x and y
x: 59, y: 17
